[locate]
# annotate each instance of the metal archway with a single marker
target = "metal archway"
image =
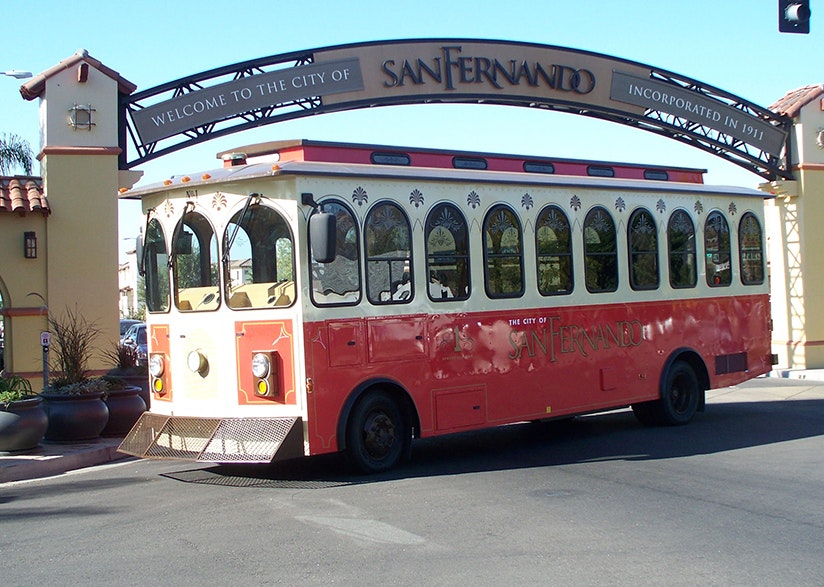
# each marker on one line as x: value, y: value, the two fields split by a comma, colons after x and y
x: 263, y: 91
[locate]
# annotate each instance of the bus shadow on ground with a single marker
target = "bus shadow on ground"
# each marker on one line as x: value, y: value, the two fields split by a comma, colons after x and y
x: 609, y: 436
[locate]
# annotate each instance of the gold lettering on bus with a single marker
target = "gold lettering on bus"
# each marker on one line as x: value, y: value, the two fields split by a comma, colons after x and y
x: 557, y: 338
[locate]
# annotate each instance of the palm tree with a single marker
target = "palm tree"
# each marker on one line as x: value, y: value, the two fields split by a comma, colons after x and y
x: 15, y: 152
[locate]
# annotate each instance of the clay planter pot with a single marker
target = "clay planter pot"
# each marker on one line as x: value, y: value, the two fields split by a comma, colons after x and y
x: 125, y: 407
x: 75, y: 417
x: 141, y: 381
x: 22, y: 425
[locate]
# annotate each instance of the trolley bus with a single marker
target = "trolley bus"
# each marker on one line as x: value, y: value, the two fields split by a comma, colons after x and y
x: 312, y: 297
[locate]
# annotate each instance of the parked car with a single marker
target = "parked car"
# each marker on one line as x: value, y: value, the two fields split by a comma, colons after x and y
x: 135, y: 337
x: 125, y: 324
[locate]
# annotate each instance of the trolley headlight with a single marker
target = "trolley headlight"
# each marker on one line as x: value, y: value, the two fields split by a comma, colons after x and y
x: 265, y: 370
x: 197, y: 362
x: 261, y: 365
x: 156, y: 366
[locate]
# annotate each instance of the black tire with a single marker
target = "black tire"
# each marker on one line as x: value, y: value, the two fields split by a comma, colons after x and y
x: 680, y: 396
x: 376, y: 434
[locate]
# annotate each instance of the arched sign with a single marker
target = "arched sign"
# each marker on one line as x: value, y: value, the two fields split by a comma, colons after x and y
x: 281, y: 87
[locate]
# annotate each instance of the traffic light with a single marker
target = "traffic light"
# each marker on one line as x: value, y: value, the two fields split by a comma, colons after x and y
x: 794, y: 16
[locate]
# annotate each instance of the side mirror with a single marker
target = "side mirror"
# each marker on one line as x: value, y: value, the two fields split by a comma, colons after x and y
x: 322, y: 233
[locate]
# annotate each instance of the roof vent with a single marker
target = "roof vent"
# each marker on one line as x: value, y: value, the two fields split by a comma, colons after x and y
x: 234, y: 159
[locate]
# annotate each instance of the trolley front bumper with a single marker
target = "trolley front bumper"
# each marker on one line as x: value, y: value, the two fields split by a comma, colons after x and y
x: 214, y: 440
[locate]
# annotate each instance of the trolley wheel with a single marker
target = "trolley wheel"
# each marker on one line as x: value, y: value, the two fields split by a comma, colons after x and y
x: 680, y: 396
x: 376, y: 433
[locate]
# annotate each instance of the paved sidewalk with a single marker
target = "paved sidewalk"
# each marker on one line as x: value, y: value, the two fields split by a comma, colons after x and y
x: 55, y: 458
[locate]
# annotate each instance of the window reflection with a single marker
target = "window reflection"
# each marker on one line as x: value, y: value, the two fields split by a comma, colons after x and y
x: 195, y: 264
x: 339, y: 282
x: 259, y: 259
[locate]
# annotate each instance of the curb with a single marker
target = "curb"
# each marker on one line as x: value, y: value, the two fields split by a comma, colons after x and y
x: 56, y: 458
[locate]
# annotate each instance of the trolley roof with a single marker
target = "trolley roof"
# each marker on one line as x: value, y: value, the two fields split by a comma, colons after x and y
x: 306, y: 157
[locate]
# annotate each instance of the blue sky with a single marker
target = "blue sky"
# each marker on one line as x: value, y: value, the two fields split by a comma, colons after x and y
x: 731, y: 44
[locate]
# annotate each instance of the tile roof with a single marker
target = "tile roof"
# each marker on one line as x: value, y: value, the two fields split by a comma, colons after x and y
x: 794, y: 100
x: 37, y: 85
x: 23, y: 194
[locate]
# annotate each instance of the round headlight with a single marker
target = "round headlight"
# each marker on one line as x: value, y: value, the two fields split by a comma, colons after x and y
x: 260, y: 365
x: 156, y: 365
x: 196, y: 362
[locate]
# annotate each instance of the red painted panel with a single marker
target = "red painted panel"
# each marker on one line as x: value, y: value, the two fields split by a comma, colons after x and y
x: 271, y: 335
x: 460, y: 408
x: 534, y: 363
x: 158, y: 342
x: 396, y: 339
x: 346, y: 339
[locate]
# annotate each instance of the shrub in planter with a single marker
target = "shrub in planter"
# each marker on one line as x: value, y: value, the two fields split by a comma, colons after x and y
x: 76, y: 410
x: 73, y: 400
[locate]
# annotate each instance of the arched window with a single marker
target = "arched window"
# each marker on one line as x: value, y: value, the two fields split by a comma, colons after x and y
x: 195, y: 264
x: 388, y: 255
x: 600, y: 251
x: 751, y: 250
x: 503, y: 253
x: 155, y: 263
x: 642, y: 240
x: 717, y: 250
x: 259, y: 261
x: 339, y: 282
x: 553, y: 245
x: 447, y: 254
x: 683, y: 271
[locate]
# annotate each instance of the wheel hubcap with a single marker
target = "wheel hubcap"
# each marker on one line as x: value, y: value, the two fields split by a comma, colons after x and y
x: 379, y: 435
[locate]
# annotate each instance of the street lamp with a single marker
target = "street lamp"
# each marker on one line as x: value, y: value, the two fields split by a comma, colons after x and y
x: 16, y: 73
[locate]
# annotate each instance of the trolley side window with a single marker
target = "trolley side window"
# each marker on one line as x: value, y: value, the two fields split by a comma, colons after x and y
x: 600, y: 251
x: 158, y: 292
x: 339, y: 282
x: 683, y: 271
x: 388, y: 240
x: 717, y: 250
x: 195, y: 264
x: 259, y: 262
x: 643, y: 251
x: 553, y: 243
x: 447, y: 254
x: 503, y: 254
x: 750, y: 248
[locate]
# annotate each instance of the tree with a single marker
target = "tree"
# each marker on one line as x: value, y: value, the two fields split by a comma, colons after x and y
x: 15, y: 152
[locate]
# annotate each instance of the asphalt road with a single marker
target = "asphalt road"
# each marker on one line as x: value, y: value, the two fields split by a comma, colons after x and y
x: 735, y: 498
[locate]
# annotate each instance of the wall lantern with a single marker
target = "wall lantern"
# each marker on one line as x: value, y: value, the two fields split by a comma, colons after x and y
x: 80, y: 117
x: 30, y: 245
